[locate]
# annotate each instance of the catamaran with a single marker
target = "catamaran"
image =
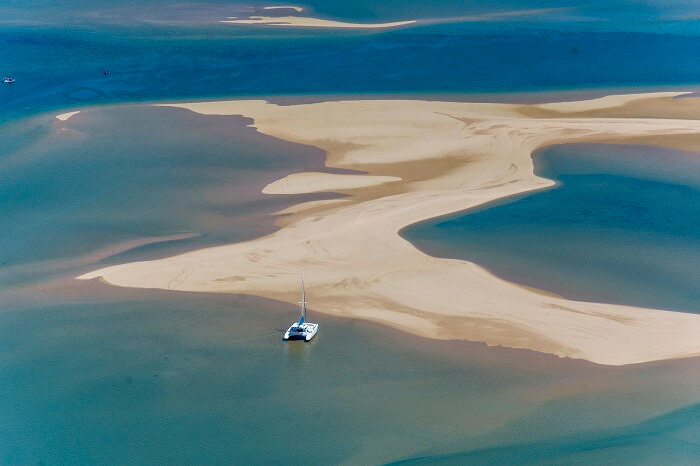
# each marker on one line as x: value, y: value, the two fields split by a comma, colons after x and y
x: 301, y: 330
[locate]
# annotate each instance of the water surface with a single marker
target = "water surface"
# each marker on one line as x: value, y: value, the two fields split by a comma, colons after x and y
x: 110, y: 176
x: 58, y: 52
x: 621, y: 226
x: 94, y: 373
x: 97, y: 374
x: 103, y: 376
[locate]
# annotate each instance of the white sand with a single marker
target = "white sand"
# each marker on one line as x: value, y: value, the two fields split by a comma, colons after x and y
x: 449, y: 156
x: 311, y: 205
x: 314, y: 182
x: 65, y: 116
x: 604, y: 102
x: 308, y: 22
x: 284, y: 7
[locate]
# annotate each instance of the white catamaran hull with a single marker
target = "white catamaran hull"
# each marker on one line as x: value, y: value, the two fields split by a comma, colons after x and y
x: 305, y: 331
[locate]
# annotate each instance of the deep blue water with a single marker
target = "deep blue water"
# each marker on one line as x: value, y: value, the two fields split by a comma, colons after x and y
x: 621, y: 226
x: 57, y: 55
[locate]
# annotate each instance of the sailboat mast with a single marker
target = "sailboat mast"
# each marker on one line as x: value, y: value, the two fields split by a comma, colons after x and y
x: 303, y: 298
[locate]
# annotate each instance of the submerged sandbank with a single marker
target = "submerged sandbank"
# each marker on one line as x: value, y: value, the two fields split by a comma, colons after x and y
x: 450, y: 157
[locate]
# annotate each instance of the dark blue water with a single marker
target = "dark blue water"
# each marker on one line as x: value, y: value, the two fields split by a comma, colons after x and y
x: 622, y: 226
x: 58, y: 55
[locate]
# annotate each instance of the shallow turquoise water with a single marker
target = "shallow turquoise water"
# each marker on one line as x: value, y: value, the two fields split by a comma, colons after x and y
x: 666, y: 439
x: 68, y: 190
x: 622, y: 226
x: 154, y: 377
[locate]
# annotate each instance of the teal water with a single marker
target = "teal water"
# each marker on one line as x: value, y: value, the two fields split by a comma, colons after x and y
x: 96, y: 374
x: 103, y: 178
x: 667, y: 439
x: 153, y: 377
x: 622, y: 226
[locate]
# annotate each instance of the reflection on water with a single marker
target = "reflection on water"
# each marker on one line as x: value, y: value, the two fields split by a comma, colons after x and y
x: 297, y: 353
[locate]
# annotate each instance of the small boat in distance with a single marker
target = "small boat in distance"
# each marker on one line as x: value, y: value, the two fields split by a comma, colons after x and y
x: 8, y: 80
x: 301, y: 330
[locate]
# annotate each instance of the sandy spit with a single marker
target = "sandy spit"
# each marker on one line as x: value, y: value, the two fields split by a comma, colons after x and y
x: 66, y: 116
x: 309, y: 22
x: 314, y: 182
x: 284, y: 7
x: 449, y: 157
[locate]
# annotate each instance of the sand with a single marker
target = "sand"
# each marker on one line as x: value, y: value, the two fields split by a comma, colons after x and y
x: 607, y: 102
x: 309, y: 22
x: 449, y: 157
x: 66, y: 116
x: 314, y: 182
x: 284, y: 7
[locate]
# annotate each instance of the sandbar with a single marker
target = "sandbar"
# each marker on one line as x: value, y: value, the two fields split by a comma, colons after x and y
x: 66, y: 116
x: 606, y: 102
x: 309, y: 22
x: 449, y: 156
x: 314, y: 182
x: 284, y: 7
